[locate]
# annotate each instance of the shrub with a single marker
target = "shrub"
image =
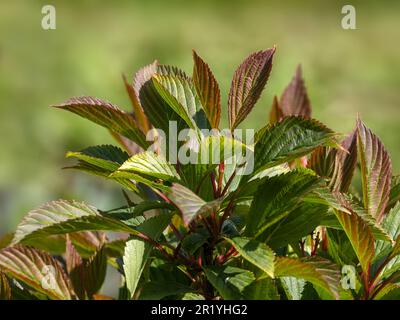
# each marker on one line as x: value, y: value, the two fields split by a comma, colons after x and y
x: 282, y: 223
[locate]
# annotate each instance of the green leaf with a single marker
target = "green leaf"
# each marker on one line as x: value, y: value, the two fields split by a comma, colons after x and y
x: 320, y: 272
x: 190, y: 204
x: 247, y: 84
x: 256, y: 253
x: 277, y: 197
x: 138, y: 251
x: 261, y: 289
x: 63, y: 216
x: 394, y: 195
x: 376, y: 171
x: 345, y: 164
x: 294, y: 100
x: 37, y: 269
x: 106, y: 157
x: 293, y: 287
x: 149, y: 164
x: 291, y: 138
x: 181, y: 96
x: 207, y: 89
x: 107, y: 115
x: 5, y: 288
x: 230, y: 282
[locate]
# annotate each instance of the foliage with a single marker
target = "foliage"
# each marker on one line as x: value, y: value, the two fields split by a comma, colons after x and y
x: 202, y: 230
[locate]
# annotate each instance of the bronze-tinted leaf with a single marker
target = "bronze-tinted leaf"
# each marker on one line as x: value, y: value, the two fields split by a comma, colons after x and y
x: 207, y: 89
x: 37, y: 269
x: 276, y: 113
x: 107, y: 115
x: 247, y: 84
x: 5, y: 289
x: 376, y: 171
x: 345, y: 164
x: 294, y: 100
x: 322, y: 161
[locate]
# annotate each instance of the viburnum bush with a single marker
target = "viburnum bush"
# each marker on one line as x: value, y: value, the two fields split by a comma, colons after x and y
x: 288, y: 221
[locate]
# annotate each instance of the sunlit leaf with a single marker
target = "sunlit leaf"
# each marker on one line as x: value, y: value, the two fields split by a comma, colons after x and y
x: 207, y: 89
x: 247, y: 84
x: 38, y: 270
x: 376, y: 171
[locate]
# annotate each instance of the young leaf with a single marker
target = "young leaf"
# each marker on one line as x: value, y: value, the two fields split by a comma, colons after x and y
x: 289, y: 139
x: 345, y: 164
x: 376, y: 171
x: 256, y: 253
x: 38, y: 270
x: 207, y: 89
x: 190, y: 204
x: 63, y: 216
x: 294, y: 100
x: 275, y: 114
x: 322, y: 161
x: 247, y: 84
x: 106, y: 115
x: 320, y: 272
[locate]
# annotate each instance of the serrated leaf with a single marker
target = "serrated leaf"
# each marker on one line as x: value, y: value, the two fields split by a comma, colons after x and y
x: 105, y: 157
x: 107, y: 115
x: 277, y: 197
x: 181, y: 96
x: 294, y: 100
x: 63, y: 216
x: 248, y: 82
x: 322, y: 161
x: 376, y: 171
x: 291, y: 138
x: 293, y: 287
x: 207, y: 89
x: 190, y: 204
x: 345, y: 164
x: 137, y: 251
x: 37, y: 269
x: 230, y: 282
x: 255, y: 252
x: 149, y: 164
x: 320, y: 272
x: 360, y: 236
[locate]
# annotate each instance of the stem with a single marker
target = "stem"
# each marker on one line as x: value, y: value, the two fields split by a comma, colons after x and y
x: 221, y: 170
x: 213, y: 183
x: 228, y: 183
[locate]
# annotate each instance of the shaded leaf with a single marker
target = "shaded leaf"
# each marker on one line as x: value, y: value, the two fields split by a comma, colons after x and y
x: 256, y: 253
x: 294, y: 100
x: 5, y: 288
x: 190, y: 204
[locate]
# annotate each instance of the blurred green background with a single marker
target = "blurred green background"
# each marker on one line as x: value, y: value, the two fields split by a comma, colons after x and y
x: 346, y: 71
